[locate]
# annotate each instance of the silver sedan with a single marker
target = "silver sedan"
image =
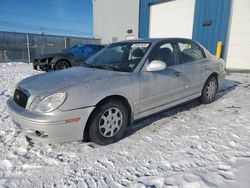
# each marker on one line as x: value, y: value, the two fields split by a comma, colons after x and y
x: 123, y: 82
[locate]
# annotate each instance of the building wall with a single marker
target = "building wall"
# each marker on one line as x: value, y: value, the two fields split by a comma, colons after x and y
x: 239, y: 40
x: 217, y: 12
x: 230, y: 23
x: 171, y: 19
x: 144, y: 12
x: 113, y: 18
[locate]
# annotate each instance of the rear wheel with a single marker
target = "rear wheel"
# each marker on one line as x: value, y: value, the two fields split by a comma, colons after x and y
x: 62, y: 64
x: 108, y: 122
x: 209, y: 90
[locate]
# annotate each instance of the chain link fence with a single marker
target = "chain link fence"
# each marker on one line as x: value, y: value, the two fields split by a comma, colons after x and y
x: 21, y: 47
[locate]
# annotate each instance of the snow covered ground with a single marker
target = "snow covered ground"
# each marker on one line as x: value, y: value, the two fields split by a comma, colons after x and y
x: 190, y: 146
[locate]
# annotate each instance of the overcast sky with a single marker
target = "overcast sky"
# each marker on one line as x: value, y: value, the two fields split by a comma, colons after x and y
x: 59, y: 17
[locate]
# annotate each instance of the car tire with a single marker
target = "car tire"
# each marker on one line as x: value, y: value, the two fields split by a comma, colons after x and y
x: 62, y: 64
x: 209, y: 90
x: 108, y: 122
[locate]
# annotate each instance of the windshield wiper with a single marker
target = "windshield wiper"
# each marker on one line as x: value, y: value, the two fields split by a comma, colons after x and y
x: 85, y: 64
x: 98, y: 66
x: 113, y: 67
x: 102, y: 67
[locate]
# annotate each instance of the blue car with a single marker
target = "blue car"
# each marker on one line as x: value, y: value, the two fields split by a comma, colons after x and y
x: 68, y: 57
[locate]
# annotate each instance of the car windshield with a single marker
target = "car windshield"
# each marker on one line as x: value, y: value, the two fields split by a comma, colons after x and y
x: 123, y: 57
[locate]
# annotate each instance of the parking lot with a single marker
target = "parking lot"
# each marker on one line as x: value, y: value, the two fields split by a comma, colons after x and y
x: 192, y: 145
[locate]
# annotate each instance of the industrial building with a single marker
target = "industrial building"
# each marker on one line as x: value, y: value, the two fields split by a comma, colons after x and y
x: 115, y: 20
x: 206, y: 21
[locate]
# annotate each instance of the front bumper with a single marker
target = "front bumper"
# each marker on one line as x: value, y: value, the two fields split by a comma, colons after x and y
x: 50, y: 128
x: 44, y: 66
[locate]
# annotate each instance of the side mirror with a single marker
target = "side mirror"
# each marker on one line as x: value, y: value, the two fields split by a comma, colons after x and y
x: 156, y: 65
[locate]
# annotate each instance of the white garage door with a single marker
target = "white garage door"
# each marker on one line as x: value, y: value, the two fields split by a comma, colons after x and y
x: 239, y: 41
x: 172, y: 19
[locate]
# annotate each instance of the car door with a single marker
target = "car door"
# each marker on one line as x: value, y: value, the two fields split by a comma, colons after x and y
x: 91, y: 50
x: 79, y: 53
x: 160, y: 88
x: 192, y: 57
x: 84, y: 52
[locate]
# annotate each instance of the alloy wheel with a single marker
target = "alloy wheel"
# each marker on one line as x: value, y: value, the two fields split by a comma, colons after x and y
x: 211, y: 89
x: 110, y: 122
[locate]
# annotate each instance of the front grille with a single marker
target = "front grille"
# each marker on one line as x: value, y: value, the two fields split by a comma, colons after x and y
x: 20, y: 98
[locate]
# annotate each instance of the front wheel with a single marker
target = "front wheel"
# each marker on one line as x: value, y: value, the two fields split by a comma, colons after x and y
x: 62, y: 64
x: 209, y: 91
x: 108, y: 122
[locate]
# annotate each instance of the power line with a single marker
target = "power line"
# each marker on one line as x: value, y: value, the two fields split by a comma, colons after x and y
x: 47, y: 20
x: 41, y: 29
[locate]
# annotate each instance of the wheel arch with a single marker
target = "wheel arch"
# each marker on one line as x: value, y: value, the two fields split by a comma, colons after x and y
x: 106, y: 99
x: 57, y: 60
x: 214, y: 74
x: 64, y: 59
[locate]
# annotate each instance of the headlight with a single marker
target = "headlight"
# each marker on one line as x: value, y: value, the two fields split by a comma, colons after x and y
x: 48, y: 104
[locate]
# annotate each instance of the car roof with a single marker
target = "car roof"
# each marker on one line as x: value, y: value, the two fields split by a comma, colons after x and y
x: 151, y: 40
x: 80, y: 45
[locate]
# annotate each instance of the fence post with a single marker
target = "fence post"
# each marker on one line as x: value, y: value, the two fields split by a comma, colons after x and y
x: 65, y: 42
x: 2, y: 55
x: 28, y: 46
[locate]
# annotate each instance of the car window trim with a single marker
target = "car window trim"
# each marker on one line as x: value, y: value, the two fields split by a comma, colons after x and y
x: 190, y: 42
x: 173, y: 42
x: 138, y: 68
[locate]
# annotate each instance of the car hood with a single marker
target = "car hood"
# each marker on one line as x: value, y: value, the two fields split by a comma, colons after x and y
x: 47, y: 83
x: 53, y: 55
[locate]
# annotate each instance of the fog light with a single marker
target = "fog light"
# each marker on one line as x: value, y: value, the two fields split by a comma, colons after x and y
x: 41, y: 134
x: 38, y: 133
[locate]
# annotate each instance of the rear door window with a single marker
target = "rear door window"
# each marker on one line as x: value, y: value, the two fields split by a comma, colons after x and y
x: 190, y: 51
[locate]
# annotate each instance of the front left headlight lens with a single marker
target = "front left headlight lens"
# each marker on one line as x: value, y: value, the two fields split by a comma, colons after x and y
x: 49, y: 103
